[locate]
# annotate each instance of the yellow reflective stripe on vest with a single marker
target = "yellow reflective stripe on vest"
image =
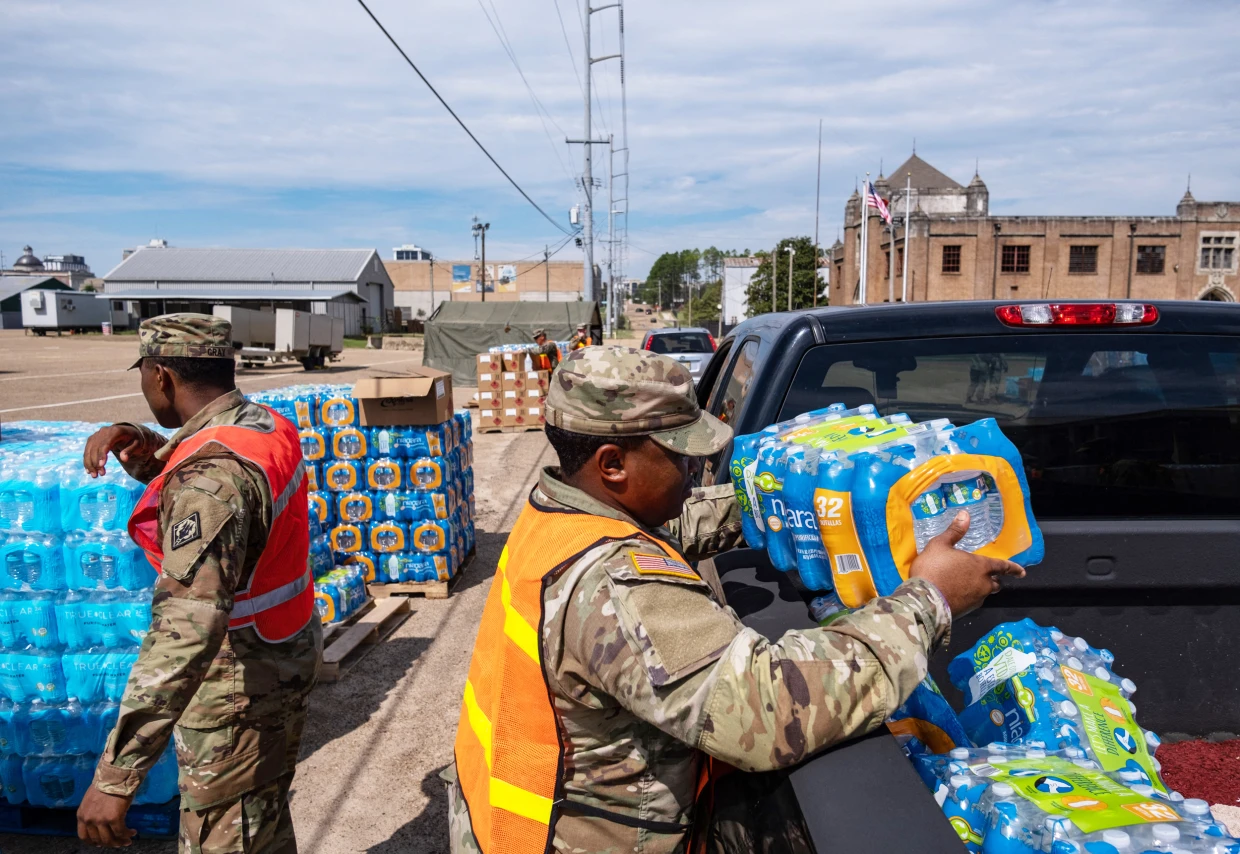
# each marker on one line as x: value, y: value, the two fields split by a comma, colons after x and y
x: 478, y: 721
x: 520, y: 802
x: 516, y: 627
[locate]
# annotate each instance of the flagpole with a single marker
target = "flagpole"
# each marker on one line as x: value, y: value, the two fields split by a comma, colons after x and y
x: 908, y: 191
x: 865, y: 232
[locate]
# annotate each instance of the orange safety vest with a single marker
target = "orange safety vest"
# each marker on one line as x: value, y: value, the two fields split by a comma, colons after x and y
x: 508, y: 748
x: 541, y: 362
x: 279, y: 600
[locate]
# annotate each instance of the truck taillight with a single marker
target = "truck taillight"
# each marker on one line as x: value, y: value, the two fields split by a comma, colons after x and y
x: 1078, y: 314
x: 649, y: 341
x: 713, y: 345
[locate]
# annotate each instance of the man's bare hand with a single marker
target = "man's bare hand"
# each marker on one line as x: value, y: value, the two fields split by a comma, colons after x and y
x: 101, y: 819
x: 964, y: 579
x: 125, y: 441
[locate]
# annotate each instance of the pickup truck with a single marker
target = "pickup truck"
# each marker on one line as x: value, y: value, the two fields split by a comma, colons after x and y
x: 1127, y: 416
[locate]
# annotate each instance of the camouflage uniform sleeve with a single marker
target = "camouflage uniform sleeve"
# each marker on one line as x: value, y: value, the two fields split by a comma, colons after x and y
x: 674, y: 657
x: 710, y: 522
x: 142, y: 465
x: 205, y: 521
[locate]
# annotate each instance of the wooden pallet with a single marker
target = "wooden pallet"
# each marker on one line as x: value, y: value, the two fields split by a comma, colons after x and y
x: 429, y: 589
x: 373, y: 625
x: 332, y: 629
x: 523, y: 428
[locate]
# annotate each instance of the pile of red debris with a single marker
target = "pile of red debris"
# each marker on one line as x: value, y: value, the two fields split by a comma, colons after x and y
x: 1209, y: 770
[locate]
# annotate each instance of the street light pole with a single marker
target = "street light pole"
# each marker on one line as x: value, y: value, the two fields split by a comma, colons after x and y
x: 774, y: 281
x: 480, y: 230
x: 791, y: 256
x: 547, y: 266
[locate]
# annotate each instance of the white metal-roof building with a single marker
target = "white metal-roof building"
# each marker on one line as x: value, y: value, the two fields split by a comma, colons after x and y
x: 351, y: 284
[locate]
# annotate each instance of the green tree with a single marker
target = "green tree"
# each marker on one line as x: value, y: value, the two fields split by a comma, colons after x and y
x: 704, y: 308
x: 804, y: 278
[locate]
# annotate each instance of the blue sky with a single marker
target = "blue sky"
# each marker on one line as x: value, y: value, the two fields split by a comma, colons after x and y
x: 295, y: 124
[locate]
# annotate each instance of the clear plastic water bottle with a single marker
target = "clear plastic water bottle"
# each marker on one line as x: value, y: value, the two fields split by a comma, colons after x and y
x: 970, y: 494
x: 930, y: 517
x: 1008, y: 830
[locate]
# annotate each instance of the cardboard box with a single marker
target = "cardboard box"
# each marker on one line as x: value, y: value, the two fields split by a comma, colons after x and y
x: 417, y: 396
x: 511, y: 399
x: 490, y: 419
x: 490, y: 383
x: 534, y: 416
x: 538, y: 379
x: 512, y: 416
x: 490, y: 363
x: 490, y: 399
x: 514, y: 380
x: 533, y: 397
x: 514, y: 362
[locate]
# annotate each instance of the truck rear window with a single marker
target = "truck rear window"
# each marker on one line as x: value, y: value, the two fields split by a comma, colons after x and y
x: 1109, y: 425
x: 680, y: 342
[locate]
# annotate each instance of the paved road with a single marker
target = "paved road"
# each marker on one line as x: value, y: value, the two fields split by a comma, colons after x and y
x: 376, y: 740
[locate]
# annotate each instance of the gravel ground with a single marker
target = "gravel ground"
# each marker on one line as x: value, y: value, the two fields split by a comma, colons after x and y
x: 376, y: 740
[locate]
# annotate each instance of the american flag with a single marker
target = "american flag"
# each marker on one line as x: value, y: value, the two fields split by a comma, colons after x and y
x: 659, y: 565
x: 872, y: 200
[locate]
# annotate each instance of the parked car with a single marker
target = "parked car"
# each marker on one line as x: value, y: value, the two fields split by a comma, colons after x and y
x: 1127, y: 416
x: 691, y: 346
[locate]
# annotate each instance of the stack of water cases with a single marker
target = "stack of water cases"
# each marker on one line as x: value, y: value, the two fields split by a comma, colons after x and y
x: 846, y: 499
x: 521, y: 349
x: 387, y: 504
x: 75, y: 604
x: 1065, y: 768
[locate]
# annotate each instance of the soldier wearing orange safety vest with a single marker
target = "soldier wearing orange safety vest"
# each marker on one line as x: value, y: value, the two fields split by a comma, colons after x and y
x: 234, y: 646
x: 609, y: 677
x: 545, y: 355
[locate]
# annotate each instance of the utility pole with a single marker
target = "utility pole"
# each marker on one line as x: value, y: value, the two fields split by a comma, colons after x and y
x: 432, y: 286
x: 865, y: 236
x: 480, y: 230
x: 774, y: 281
x: 547, y: 267
x: 611, y: 236
x: 587, y: 180
x: 792, y: 254
x: 817, y: 201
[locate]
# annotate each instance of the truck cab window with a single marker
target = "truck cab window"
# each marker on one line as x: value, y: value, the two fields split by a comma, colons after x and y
x: 727, y: 395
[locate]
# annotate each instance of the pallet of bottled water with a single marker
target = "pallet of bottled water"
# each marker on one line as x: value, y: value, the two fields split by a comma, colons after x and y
x: 1063, y: 767
x: 387, y: 504
x: 75, y: 605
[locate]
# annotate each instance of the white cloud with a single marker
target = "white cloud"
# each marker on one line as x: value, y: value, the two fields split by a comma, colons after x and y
x: 1070, y: 107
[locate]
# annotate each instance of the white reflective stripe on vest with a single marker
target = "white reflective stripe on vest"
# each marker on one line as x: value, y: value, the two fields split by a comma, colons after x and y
x: 244, y: 608
x: 283, y: 499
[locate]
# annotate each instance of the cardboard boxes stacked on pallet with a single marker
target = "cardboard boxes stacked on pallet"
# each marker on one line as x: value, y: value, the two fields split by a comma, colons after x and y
x: 510, y: 398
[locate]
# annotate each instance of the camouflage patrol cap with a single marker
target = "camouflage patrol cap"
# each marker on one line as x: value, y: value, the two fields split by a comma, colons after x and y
x: 619, y: 391
x: 185, y: 335
x: 538, y: 333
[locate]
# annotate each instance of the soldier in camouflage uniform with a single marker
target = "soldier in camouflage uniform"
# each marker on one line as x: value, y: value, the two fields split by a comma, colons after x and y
x: 545, y: 348
x: 234, y: 704
x: 580, y: 339
x: 649, y: 673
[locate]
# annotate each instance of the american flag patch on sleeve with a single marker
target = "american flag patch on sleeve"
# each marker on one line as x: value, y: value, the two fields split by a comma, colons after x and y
x: 662, y: 565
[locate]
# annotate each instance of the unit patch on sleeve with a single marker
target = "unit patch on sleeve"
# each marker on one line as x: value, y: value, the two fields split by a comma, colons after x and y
x: 186, y: 531
x: 661, y: 565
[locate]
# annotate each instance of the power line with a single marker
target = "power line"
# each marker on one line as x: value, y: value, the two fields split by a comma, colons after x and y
x: 571, y: 58
x: 502, y: 35
x: 452, y: 112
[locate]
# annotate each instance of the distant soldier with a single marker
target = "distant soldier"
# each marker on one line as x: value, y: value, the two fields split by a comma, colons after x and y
x: 608, y: 671
x: 234, y: 647
x: 545, y: 354
x: 581, y: 338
